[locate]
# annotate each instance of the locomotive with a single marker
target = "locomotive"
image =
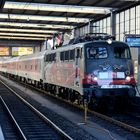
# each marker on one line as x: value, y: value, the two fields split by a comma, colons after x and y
x: 92, y: 68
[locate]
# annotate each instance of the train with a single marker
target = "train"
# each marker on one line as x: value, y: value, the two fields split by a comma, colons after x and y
x: 93, y: 70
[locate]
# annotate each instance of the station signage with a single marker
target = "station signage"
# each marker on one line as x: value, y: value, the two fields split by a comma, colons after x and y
x: 16, y: 51
x: 132, y: 40
x: 4, y: 51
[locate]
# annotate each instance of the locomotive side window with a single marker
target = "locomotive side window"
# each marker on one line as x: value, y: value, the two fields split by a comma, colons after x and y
x: 50, y: 57
x: 72, y: 54
x: 62, y: 56
x: 122, y: 52
x: 66, y: 55
x: 97, y: 52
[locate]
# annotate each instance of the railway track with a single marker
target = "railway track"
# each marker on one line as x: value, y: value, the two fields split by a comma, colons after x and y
x: 128, y: 122
x: 9, y: 130
x: 123, y: 121
x: 128, y: 118
x: 28, y: 122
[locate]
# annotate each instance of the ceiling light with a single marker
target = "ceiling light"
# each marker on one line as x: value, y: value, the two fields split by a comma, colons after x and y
x: 43, y: 18
x: 56, y: 7
x: 28, y: 30
x: 22, y: 38
x: 20, y: 34
x: 36, y: 25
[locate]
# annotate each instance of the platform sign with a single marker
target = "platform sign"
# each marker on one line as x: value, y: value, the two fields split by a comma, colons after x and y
x: 21, y: 51
x: 4, y: 51
x: 132, y: 40
x: 14, y: 51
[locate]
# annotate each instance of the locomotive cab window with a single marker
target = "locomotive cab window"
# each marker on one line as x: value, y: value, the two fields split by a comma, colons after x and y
x: 122, y: 52
x: 97, y: 52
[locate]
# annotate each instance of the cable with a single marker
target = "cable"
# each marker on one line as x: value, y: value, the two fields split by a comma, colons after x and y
x: 104, y: 130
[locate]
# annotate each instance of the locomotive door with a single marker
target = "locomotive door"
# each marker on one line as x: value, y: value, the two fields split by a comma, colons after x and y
x: 77, y: 68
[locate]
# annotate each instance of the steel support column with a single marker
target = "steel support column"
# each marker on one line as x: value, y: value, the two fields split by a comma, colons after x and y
x: 138, y: 77
x: 89, y: 27
x: 113, y: 23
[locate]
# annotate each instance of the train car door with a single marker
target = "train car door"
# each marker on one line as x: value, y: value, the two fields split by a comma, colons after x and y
x: 77, y: 67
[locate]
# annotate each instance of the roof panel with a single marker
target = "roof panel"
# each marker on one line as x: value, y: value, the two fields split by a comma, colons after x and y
x: 104, y: 3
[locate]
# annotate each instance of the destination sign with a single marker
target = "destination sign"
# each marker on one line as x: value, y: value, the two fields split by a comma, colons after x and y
x: 133, y: 40
x: 4, y: 51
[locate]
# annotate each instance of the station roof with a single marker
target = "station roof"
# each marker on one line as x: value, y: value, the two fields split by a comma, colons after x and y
x: 40, y: 19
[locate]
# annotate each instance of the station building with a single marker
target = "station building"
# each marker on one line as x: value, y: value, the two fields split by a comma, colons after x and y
x: 17, y: 19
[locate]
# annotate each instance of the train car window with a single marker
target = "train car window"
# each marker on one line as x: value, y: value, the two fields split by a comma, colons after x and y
x: 72, y: 54
x: 122, y: 52
x: 51, y: 57
x: 97, y: 53
x: 46, y: 58
x: 54, y: 57
x: 66, y: 55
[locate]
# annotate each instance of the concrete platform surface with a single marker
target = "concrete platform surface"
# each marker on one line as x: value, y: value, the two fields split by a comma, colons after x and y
x: 1, y: 135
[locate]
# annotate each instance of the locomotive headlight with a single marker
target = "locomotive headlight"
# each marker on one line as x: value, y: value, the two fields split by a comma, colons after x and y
x: 95, y: 78
x: 109, y: 41
x: 128, y: 78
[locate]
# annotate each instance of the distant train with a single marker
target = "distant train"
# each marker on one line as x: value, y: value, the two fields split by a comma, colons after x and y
x: 93, y: 70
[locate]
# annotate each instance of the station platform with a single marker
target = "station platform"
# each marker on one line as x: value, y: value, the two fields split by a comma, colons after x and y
x: 77, y: 119
x: 1, y: 134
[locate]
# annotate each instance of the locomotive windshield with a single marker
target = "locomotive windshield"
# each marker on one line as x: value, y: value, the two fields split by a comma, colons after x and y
x: 97, y: 52
x: 122, y: 52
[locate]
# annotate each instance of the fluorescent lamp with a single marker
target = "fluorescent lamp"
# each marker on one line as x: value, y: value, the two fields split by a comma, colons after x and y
x: 56, y: 7
x: 28, y: 30
x: 22, y: 38
x: 36, y: 25
x: 20, y: 34
x: 43, y: 18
